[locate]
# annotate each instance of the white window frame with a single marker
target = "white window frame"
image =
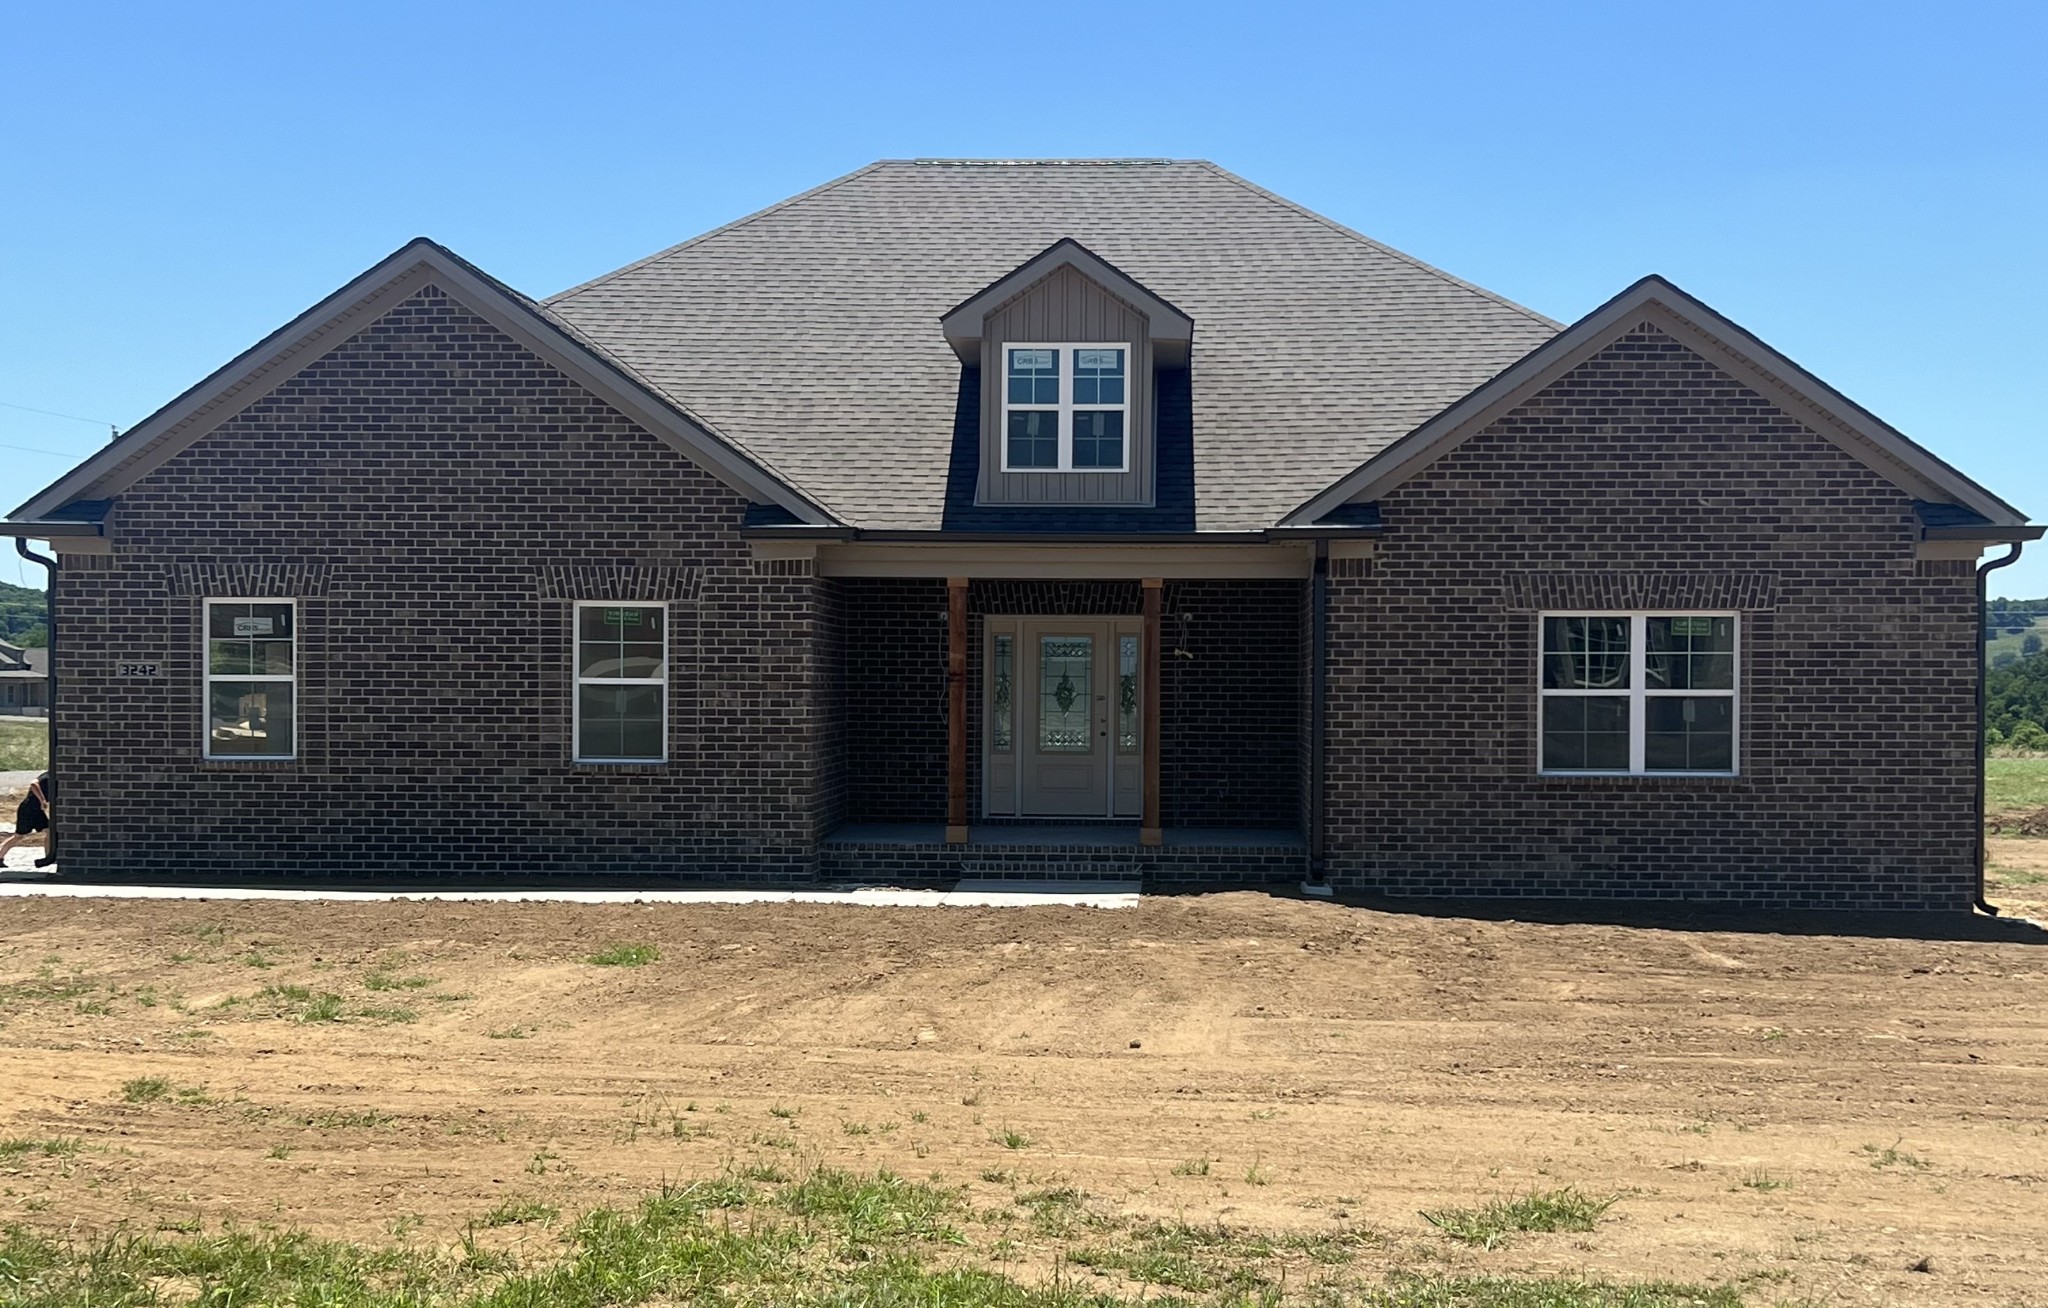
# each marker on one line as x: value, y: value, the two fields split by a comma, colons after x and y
x: 577, y: 681
x: 1639, y: 692
x: 1064, y: 351
x: 209, y: 677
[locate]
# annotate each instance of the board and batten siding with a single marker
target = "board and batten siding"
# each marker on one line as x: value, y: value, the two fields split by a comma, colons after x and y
x: 1066, y: 307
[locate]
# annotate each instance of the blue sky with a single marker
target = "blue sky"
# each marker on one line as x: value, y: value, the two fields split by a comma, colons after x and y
x: 1863, y: 185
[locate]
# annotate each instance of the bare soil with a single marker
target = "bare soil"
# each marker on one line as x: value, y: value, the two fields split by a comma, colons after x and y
x: 1812, y: 1116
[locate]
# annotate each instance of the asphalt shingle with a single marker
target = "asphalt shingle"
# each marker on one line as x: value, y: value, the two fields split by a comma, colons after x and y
x: 808, y: 334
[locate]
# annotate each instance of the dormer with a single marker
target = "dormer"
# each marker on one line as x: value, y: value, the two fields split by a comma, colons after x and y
x: 1068, y: 349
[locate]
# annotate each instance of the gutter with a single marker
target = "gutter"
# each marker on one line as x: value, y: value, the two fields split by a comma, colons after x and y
x: 49, y: 563
x: 53, y: 530
x: 2012, y: 556
x: 1988, y: 535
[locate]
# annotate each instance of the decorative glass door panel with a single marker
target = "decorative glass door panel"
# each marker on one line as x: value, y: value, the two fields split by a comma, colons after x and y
x: 1066, y: 695
x: 1063, y: 723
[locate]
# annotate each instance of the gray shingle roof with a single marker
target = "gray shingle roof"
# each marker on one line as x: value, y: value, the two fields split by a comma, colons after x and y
x: 808, y: 334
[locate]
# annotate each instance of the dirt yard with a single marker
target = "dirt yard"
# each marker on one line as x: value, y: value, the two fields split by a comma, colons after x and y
x: 1805, y: 1118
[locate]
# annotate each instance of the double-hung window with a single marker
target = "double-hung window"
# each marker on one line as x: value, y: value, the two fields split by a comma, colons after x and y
x: 1639, y: 693
x: 251, y: 667
x: 1065, y: 408
x: 621, y: 683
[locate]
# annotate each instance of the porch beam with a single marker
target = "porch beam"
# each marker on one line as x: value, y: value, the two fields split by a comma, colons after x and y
x: 956, y: 710
x: 1222, y: 561
x: 1149, y: 832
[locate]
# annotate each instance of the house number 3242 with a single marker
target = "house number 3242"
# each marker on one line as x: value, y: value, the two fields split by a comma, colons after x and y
x: 140, y: 669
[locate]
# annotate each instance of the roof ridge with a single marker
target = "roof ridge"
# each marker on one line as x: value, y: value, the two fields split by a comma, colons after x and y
x: 1380, y: 246
x: 1032, y: 161
x: 721, y: 230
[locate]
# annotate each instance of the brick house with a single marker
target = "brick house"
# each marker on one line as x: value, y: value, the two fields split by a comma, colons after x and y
x: 24, y: 681
x: 1100, y: 518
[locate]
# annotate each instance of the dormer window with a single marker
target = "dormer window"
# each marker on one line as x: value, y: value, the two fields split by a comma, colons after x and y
x: 1065, y: 407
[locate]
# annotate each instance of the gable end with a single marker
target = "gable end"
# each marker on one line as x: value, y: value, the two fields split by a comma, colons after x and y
x: 284, y: 354
x: 1657, y: 304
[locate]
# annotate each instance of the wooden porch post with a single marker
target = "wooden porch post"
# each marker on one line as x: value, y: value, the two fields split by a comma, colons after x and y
x: 956, y: 710
x: 1148, y: 676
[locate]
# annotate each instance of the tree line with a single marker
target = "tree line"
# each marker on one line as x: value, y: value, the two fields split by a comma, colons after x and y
x: 2016, y: 686
x: 24, y: 615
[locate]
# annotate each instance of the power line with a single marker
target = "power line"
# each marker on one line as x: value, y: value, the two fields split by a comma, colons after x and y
x: 32, y: 449
x: 52, y: 413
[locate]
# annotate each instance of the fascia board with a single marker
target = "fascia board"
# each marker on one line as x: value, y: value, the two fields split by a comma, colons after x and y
x: 284, y: 353
x: 1836, y: 418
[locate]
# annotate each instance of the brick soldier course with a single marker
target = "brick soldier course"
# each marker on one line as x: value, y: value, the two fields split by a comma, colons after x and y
x: 437, y: 471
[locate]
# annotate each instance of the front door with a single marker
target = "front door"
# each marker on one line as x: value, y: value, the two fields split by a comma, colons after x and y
x: 1073, y: 684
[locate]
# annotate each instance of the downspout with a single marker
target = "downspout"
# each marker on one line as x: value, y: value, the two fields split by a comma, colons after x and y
x: 1983, y: 696
x: 49, y: 563
x: 1318, y: 642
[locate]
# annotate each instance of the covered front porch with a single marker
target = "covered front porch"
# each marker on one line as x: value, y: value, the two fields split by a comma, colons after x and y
x: 995, y: 721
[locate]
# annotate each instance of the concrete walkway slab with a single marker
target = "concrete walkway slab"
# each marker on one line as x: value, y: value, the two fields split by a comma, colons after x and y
x: 980, y: 894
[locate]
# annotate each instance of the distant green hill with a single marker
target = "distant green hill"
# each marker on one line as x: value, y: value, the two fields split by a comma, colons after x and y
x: 2016, y: 689
x: 2014, y: 629
x: 24, y: 616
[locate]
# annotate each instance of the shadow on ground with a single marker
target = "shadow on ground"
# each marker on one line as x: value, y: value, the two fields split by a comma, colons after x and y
x: 1686, y: 917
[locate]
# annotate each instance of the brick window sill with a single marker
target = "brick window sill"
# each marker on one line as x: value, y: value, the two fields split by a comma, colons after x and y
x: 1644, y: 781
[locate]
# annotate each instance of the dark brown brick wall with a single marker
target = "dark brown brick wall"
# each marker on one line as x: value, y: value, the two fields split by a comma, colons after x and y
x: 1231, y: 752
x: 1648, y: 477
x: 895, y: 678
x: 436, y: 498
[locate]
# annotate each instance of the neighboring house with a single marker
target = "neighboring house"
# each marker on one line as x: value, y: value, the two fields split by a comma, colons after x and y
x: 993, y: 518
x: 24, y: 681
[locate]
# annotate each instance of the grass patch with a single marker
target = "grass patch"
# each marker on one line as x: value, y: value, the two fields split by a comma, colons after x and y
x: 146, y: 1089
x: 54, y: 1147
x: 624, y: 956
x: 1490, y: 1225
x: 24, y: 746
x: 1009, y: 1139
x: 2015, y: 784
x: 302, y: 1004
x: 1998, y: 874
x: 389, y: 1014
x: 1058, y: 1211
x: 386, y: 981
x: 1893, y: 1156
x: 876, y: 1206
x: 520, y: 1212
x: 832, y: 1238
x: 45, y: 986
